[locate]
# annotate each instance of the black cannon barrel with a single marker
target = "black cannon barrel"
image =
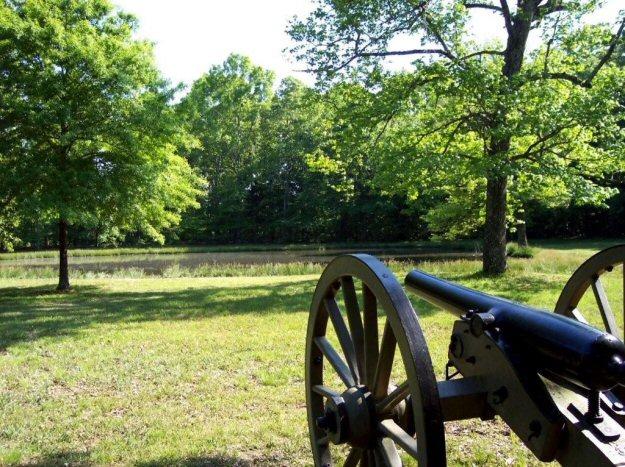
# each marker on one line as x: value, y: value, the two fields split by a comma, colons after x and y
x: 561, y: 345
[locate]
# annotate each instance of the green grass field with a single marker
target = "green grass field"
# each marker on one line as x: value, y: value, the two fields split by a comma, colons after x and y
x: 203, y: 371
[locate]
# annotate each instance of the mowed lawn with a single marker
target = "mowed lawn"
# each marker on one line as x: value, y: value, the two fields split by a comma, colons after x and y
x: 203, y: 371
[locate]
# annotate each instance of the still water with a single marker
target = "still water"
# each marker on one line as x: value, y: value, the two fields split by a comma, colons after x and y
x: 155, y: 264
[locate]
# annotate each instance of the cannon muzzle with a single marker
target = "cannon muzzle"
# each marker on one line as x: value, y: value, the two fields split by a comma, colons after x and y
x: 552, y: 343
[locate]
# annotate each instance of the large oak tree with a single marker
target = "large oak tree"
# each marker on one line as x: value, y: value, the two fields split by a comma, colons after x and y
x: 477, y: 116
x: 87, y: 135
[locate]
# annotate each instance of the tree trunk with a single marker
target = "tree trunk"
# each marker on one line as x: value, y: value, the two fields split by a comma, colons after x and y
x: 521, y: 229
x: 63, y: 266
x: 494, y: 257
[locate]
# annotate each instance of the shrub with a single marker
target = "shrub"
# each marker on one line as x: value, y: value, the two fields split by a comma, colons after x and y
x: 515, y: 251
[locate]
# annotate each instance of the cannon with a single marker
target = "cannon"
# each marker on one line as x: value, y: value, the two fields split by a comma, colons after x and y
x: 371, y: 391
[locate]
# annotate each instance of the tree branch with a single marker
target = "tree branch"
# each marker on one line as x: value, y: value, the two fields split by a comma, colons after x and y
x: 505, y: 9
x: 587, y: 82
x: 393, y: 113
x: 608, y: 54
x: 389, y: 53
x: 438, y: 37
x: 550, y: 44
x: 541, y: 140
x: 567, y: 77
x: 483, y: 5
x: 443, y: 126
x: 551, y: 6
x: 451, y: 138
x: 482, y: 52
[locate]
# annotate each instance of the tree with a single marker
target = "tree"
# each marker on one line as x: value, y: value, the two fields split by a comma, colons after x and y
x: 223, y: 110
x: 475, y: 114
x: 292, y: 202
x: 88, y: 135
x: 9, y: 221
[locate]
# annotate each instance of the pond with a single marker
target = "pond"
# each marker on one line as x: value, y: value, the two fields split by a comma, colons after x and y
x: 155, y: 264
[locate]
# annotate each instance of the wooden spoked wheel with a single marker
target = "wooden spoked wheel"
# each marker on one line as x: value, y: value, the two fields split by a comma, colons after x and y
x: 591, y: 275
x: 351, y: 398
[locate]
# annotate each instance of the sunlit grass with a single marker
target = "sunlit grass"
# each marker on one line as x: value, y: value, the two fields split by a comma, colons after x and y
x: 172, y: 271
x: 204, y: 370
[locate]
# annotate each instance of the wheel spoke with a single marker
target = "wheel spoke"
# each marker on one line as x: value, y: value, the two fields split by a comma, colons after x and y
x: 354, y: 320
x: 387, y: 454
x: 325, y: 391
x: 399, y: 436
x: 342, y: 333
x: 604, y: 306
x: 578, y: 316
x: 370, y: 318
x: 394, y: 398
x: 353, y: 457
x: 385, y: 362
x: 335, y: 360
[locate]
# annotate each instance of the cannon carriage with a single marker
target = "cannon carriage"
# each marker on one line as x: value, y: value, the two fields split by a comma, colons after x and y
x: 373, y: 398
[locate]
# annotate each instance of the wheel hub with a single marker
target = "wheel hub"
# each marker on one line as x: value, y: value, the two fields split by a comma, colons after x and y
x: 348, y: 418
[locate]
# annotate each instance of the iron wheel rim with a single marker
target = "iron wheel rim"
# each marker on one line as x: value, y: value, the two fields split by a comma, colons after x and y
x: 421, y: 386
x: 588, y: 276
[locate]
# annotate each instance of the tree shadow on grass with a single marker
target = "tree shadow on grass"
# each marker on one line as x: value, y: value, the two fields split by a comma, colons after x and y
x: 212, y: 461
x: 519, y: 288
x: 31, y: 313
x: 82, y: 458
x: 63, y: 458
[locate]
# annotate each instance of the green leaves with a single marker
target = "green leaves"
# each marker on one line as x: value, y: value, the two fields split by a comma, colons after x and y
x: 550, y: 120
x: 254, y: 147
x: 87, y: 130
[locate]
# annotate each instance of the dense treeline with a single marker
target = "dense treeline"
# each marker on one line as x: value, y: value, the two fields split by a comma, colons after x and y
x: 265, y: 148
x: 258, y: 140
x: 268, y: 151
x: 474, y: 140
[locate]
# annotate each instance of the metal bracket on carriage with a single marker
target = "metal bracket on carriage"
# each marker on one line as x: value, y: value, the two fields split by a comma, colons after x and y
x: 515, y: 394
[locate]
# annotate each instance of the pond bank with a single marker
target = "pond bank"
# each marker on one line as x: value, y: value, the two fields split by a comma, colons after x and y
x: 158, y: 264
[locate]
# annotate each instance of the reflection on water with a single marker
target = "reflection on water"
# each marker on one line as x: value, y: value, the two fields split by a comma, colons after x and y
x: 156, y: 264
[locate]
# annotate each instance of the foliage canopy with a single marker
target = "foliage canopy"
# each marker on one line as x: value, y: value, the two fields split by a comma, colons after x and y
x: 87, y: 135
x: 474, y: 118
